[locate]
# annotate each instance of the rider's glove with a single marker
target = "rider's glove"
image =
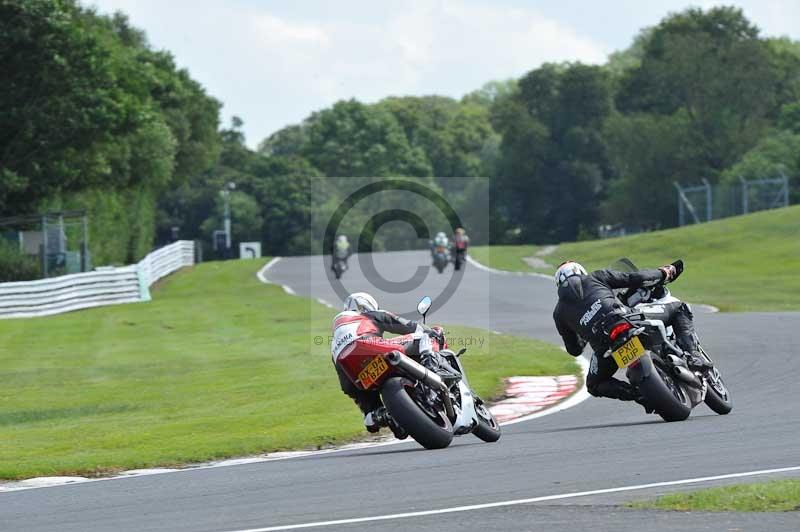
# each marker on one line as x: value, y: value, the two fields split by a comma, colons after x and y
x: 669, y: 272
x: 437, y: 333
x: 672, y: 271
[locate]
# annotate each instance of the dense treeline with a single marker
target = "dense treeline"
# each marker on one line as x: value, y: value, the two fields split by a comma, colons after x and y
x: 570, y: 146
x: 93, y: 117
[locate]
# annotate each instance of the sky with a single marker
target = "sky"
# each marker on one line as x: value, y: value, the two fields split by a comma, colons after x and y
x: 272, y: 63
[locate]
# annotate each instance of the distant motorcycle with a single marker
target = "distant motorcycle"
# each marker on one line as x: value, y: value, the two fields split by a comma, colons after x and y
x: 654, y: 362
x: 339, y: 267
x: 430, y: 409
x: 441, y: 258
x: 460, y: 258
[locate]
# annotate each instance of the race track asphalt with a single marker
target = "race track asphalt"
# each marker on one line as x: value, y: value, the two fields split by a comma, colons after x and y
x: 596, y: 445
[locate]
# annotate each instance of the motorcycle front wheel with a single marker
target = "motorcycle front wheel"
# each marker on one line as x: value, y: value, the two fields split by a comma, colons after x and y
x: 718, y: 398
x: 429, y: 426
x: 487, y: 428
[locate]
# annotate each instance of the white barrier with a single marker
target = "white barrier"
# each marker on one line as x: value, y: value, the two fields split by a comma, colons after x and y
x: 104, y: 286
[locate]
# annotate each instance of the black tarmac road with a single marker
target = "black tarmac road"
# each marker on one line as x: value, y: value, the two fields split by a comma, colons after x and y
x: 597, y: 445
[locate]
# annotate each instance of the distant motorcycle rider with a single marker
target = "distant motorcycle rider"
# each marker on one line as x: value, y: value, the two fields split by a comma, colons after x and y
x: 362, y: 308
x: 439, y: 241
x: 341, y: 250
x: 460, y: 245
x: 460, y: 240
x: 586, y: 298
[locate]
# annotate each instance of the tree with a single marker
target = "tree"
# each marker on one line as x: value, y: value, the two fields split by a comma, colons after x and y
x: 59, y: 102
x: 712, y: 66
x: 490, y: 92
x: 553, y: 164
x: 353, y: 139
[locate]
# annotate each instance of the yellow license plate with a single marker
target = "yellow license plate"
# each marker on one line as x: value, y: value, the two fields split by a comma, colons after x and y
x: 628, y: 353
x: 372, y: 372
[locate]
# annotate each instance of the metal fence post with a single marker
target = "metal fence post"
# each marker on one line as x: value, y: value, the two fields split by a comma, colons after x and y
x: 680, y: 205
x: 785, y: 189
x: 682, y: 199
x: 709, y: 216
x: 44, y: 246
x: 744, y: 195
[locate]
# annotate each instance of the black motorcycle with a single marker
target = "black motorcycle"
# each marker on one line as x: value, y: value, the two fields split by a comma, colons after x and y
x: 654, y: 362
x: 338, y: 265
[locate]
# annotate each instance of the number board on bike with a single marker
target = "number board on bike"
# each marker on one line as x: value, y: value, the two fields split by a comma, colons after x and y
x: 631, y: 351
x: 372, y: 372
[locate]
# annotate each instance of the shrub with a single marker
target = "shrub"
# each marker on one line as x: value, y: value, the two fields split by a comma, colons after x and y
x: 14, y: 266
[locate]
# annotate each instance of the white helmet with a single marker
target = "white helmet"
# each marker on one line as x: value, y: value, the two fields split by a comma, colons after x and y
x: 342, y: 238
x: 568, y: 269
x: 361, y: 302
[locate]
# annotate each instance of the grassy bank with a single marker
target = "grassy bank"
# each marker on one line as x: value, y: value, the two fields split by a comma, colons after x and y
x: 738, y: 264
x: 217, y: 365
x: 775, y: 496
x: 508, y: 258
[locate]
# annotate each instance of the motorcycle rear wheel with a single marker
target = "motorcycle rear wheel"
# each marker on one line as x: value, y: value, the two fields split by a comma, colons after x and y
x: 666, y: 396
x: 432, y: 432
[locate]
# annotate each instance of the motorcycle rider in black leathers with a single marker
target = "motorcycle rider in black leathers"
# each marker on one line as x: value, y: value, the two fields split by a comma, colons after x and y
x: 586, y: 298
x: 361, y: 309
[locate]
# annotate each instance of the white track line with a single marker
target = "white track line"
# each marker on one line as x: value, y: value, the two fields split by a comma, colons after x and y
x: 262, y: 276
x: 708, y: 309
x: 323, y: 302
x: 262, y: 273
x: 505, y: 272
x: 517, y: 502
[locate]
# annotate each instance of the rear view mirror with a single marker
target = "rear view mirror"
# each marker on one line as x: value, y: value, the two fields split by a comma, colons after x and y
x: 424, y: 305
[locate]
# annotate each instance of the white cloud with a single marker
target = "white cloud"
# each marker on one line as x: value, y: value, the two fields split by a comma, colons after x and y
x: 273, y: 68
x: 273, y: 30
x: 273, y: 63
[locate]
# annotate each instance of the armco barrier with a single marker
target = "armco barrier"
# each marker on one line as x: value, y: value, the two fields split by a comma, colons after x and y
x: 104, y: 286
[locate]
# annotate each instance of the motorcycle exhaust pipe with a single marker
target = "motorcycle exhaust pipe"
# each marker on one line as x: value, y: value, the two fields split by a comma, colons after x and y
x: 677, y: 361
x: 420, y: 372
x: 687, y: 376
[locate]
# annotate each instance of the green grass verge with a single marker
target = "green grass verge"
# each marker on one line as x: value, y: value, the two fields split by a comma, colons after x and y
x: 746, y: 263
x: 508, y: 258
x: 775, y: 496
x: 217, y: 365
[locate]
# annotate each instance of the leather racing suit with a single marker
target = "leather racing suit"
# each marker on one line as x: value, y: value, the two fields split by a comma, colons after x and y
x: 373, y: 324
x: 584, y: 300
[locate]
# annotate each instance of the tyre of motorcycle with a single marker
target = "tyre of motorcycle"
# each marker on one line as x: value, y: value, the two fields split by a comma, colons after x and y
x: 652, y: 384
x: 720, y: 403
x: 487, y: 428
x: 429, y: 432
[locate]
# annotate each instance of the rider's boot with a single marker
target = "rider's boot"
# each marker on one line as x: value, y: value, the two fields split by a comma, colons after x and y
x: 628, y: 392
x: 371, y: 423
x: 374, y: 420
x: 378, y: 418
x: 697, y: 362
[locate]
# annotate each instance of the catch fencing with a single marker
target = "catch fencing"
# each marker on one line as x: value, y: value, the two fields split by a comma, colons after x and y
x: 104, y: 286
x: 706, y: 202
